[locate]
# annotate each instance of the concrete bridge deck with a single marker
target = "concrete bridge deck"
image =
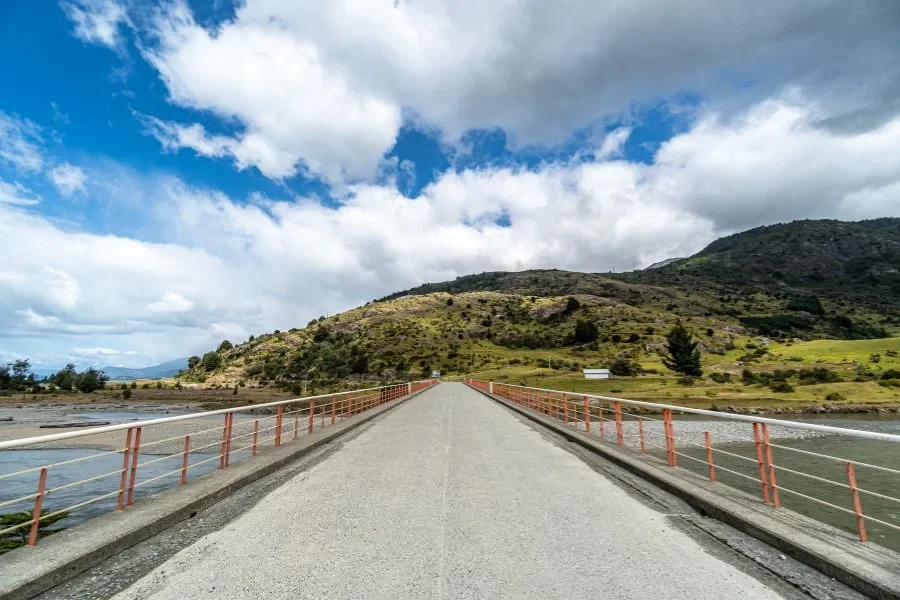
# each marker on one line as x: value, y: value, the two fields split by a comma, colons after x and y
x: 449, y: 496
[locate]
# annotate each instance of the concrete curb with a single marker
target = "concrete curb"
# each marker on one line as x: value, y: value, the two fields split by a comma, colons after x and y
x: 869, y: 569
x: 29, y: 571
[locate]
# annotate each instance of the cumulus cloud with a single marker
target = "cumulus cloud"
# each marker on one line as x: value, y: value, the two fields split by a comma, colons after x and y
x: 97, y: 21
x: 68, y: 179
x: 320, y: 86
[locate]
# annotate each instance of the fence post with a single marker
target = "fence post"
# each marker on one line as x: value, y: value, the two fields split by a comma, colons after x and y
x: 296, y: 424
x: 587, y: 415
x: 255, y: 437
x: 762, y: 467
x: 124, y: 480
x: 771, y: 465
x: 857, y: 505
x: 322, y: 424
x: 600, y: 411
x: 38, y: 504
x: 333, y: 409
x: 672, y: 440
x: 312, y: 412
x: 224, y: 441
x: 409, y: 388
x: 279, y: 414
x: 135, y: 451
x: 184, y: 459
x: 491, y: 387
x: 565, y: 400
x: 230, y: 428
x: 618, y: 409
x: 641, y: 433
x: 709, y: 457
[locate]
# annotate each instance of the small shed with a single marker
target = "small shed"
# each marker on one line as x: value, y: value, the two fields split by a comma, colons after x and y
x: 596, y: 373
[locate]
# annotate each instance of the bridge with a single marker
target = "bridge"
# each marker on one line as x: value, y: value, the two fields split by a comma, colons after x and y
x: 446, y: 491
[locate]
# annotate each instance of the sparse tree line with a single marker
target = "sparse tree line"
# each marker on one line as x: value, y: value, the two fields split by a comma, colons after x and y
x: 17, y: 376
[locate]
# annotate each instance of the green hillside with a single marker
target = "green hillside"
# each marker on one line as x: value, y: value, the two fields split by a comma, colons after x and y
x: 549, y: 324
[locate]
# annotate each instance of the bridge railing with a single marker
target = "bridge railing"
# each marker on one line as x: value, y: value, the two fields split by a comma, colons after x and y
x: 846, y: 477
x: 104, y: 468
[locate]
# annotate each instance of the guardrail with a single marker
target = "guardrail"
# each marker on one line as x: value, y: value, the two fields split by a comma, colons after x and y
x: 740, y: 450
x: 196, y: 446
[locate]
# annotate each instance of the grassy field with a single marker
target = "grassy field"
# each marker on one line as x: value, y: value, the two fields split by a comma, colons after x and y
x: 844, y: 357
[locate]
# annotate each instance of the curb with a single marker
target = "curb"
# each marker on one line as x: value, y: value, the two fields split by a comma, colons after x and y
x: 29, y: 571
x: 859, y: 566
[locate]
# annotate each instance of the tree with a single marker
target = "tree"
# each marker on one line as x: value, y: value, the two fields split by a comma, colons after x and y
x: 90, y: 380
x: 684, y: 357
x: 126, y: 394
x: 225, y: 346
x: 361, y: 364
x: 5, y: 377
x: 64, y: 379
x: 585, y: 332
x: 193, y: 362
x: 449, y: 301
x: 211, y: 361
x: 21, y: 376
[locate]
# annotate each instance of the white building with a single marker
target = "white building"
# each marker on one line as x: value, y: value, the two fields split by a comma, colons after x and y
x: 596, y: 373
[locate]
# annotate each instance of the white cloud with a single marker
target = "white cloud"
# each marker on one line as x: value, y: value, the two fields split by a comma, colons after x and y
x: 19, y: 143
x: 96, y: 351
x: 171, y: 302
x: 321, y: 85
x: 96, y: 21
x: 68, y: 179
x: 16, y: 193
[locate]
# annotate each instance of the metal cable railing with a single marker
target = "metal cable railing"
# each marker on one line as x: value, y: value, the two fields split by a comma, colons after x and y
x: 823, y: 484
x: 196, y: 447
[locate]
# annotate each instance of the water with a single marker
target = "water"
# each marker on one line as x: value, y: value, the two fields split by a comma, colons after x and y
x: 885, y: 454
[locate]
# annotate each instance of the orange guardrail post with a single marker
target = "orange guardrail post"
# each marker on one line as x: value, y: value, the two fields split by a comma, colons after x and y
x: 184, y: 459
x: 709, y: 457
x: 228, y: 444
x: 618, y: 411
x: 565, y: 399
x: 641, y: 433
x: 38, y: 504
x: 296, y: 424
x: 312, y: 415
x: 602, y: 432
x: 255, y: 437
x: 279, y: 415
x: 333, y: 409
x: 773, y: 485
x: 124, y: 480
x: 587, y: 415
x: 857, y: 505
x: 224, y: 442
x: 135, y: 452
x: 762, y: 466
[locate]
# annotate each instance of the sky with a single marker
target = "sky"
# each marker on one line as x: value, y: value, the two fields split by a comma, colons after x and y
x: 173, y: 174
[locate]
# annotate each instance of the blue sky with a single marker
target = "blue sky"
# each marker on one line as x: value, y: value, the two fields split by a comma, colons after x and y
x: 172, y: 174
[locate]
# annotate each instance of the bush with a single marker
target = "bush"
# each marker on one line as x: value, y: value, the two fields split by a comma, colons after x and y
x: 193, y: 362
x: 834, y: 397
x: 225, y: 346
x: 782, y: 387
x: 624, y: 367
x: 126, y: 394
x: 720, y: 377
x: 634, y: 338
x: 449, y: 301
x: 585, y: 332
x: 748, y: 377
x: 891, y: 374
x: 810, y: 304
x: 211, y: 361
x: 889, y: 383
x: 686, y: 380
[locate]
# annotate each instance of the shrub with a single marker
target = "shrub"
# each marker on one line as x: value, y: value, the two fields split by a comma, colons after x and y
x: 624, y: 367
x: 686, y: 380
x: 193, y: 362
x: 748, y: 377
x: 585, y: 332
x: 449, y: 301
x: 720, y: 377
x: 810, y: 304
x: 225, y: 346
x: 710, y: 332
x: 126, y: 394
x: 616, y: 338
x: 782, y: 387
x: 889, y: 383
x: 834, y: 397
x: 634, y: 338
x: 891, y: 374
x: 211, y: 361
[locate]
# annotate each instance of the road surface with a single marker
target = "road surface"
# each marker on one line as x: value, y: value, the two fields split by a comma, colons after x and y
x: 449, y: 495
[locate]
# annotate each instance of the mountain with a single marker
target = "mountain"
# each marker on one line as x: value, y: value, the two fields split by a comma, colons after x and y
x: 166, y: 369
x: 807, y: 280
x: 663, y: 263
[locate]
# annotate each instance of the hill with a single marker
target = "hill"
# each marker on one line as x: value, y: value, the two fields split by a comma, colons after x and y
x: 553, y: 322
x: 160, y: 371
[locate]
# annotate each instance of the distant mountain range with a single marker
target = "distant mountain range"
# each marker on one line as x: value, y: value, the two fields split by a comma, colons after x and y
x: 166, y: 369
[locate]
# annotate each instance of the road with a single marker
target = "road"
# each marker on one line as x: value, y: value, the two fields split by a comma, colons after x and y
x: 450, y: 495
